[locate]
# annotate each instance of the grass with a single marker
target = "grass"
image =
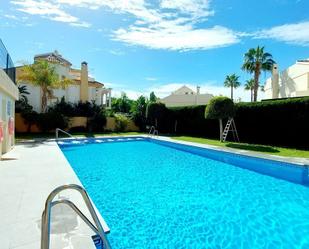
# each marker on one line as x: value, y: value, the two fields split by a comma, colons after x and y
x: 279, y: 151
x: 243, y: 146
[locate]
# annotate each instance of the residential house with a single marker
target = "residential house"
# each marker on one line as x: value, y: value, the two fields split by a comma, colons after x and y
x: 292, y: 82
x: 81, y: 88
x: 185, y: 96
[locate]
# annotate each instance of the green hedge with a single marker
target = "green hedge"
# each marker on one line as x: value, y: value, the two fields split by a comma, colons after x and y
x: 276, y: 122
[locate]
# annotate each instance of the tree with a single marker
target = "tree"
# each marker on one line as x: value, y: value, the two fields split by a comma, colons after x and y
x: 257, y: 61
x: 232, y: 82
x: 155, y: 113
x: 23, y: 92
x: 138, y: 111
x: 43, y: 74
x: 250, y: 86
x: 220, y: 108
x: 152, y: 97
x: 122, y: 104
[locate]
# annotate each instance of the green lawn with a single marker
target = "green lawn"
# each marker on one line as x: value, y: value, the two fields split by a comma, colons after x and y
x: 252, y: 147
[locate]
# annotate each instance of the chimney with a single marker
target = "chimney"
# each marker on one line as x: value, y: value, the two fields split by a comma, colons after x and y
x: 84, y: 82
x: 198, y: 90
x: 275, y: 82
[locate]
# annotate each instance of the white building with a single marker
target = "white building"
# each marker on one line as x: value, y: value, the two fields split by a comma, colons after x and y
x: 292, y: 82
x: 8, y: 96
x: 185, y: 96
x: 82, y: 87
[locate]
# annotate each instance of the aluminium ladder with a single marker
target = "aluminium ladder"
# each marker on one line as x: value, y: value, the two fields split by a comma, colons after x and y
x: 230, y: 126
x: 99, y: 238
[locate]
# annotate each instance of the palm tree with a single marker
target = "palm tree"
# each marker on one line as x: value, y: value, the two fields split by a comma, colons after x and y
x: 44, y: 75
x: 257, y: 61
x: 250, y: 86
x: 232, y: 82
x: 23, y: 92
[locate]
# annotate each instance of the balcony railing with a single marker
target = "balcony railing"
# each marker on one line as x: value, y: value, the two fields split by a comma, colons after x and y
x: 6, y: 62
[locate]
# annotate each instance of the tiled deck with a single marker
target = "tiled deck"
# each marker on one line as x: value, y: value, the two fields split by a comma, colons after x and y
x: 24, y: 186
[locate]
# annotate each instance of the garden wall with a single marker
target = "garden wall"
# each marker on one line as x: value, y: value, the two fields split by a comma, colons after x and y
x: 22, y: 127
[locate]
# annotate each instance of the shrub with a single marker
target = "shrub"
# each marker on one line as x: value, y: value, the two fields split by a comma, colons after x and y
x: 121, y: 122
x: 220, y: 108
x: 65, y: 108
x: 51, y: 120
x: 158, y: 115
x: 97, y: 122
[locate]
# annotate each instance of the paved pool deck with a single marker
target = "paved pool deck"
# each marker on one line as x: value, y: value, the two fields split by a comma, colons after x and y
x: 39, y: 168
x: 25, y: 184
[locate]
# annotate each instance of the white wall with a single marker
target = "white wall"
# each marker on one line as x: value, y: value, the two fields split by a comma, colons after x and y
x: 73, y: 93
x: 293, y: 82
x: 8, y: 95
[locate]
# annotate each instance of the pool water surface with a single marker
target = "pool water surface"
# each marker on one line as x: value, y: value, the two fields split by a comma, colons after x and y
x: 155, y: 196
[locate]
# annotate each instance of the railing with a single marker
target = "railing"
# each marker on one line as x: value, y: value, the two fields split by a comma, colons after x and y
x: 153, y: 131
x: 6, y: 62
x: 64, y: 132
x: 46, y: 215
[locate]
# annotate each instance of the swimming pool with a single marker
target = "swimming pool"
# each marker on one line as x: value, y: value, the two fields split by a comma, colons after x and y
x: 156, y: 194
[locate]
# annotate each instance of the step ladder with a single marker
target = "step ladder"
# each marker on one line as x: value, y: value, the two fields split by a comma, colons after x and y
x: 230, y: 126
x: 99, y: 239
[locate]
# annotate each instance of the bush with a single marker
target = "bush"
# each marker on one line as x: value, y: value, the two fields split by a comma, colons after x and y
x: 121, y: 122
x: 159, y: 116
x: 220, y: 108
x: 51, y: 120
x: 276, y: 122
x: 65, y: 108
x: 190, y: 120
x: 97, y: 122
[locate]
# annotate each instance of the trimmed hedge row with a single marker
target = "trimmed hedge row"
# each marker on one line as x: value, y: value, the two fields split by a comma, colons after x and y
x: 273, y: 122
x: 277, y: 122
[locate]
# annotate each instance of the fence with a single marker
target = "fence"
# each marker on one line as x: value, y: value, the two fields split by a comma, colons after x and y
x: 6, y: 62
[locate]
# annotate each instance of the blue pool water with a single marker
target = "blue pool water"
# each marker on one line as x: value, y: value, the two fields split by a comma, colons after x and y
x: 156, y: 196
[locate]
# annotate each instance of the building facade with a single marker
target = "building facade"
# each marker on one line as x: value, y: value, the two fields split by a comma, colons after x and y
x: 82, y: 87
x: 185, y: 96
x: 8, y: 96
x: 292, y: 82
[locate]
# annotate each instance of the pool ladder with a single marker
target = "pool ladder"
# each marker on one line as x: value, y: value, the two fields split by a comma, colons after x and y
x: 46, y: 215
x: 153, y: 131
x: 64, y: 132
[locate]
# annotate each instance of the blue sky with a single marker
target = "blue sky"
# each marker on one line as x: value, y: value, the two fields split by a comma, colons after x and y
x: 138, y: 46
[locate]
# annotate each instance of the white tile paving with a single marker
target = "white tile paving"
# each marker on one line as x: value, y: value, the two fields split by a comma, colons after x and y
x: 24, y: 186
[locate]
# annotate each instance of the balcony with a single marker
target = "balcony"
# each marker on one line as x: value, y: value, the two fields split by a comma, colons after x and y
x: 6, y: 62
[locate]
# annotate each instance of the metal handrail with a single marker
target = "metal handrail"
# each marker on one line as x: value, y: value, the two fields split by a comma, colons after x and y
x: 151, y: 128
x: 46, y: 215
x: 57, y: 133
x: 153, y: 131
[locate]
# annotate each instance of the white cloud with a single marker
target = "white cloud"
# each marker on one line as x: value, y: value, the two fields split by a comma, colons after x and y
x: 177, y: 37
x: 297, y: 33
x: 169, y: 25
x: 49, y: 10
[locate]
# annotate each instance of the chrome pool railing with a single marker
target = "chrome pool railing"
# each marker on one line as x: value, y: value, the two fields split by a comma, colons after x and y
x: 46, y: 215
x: 153, y: 131
x: 64, y: 132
